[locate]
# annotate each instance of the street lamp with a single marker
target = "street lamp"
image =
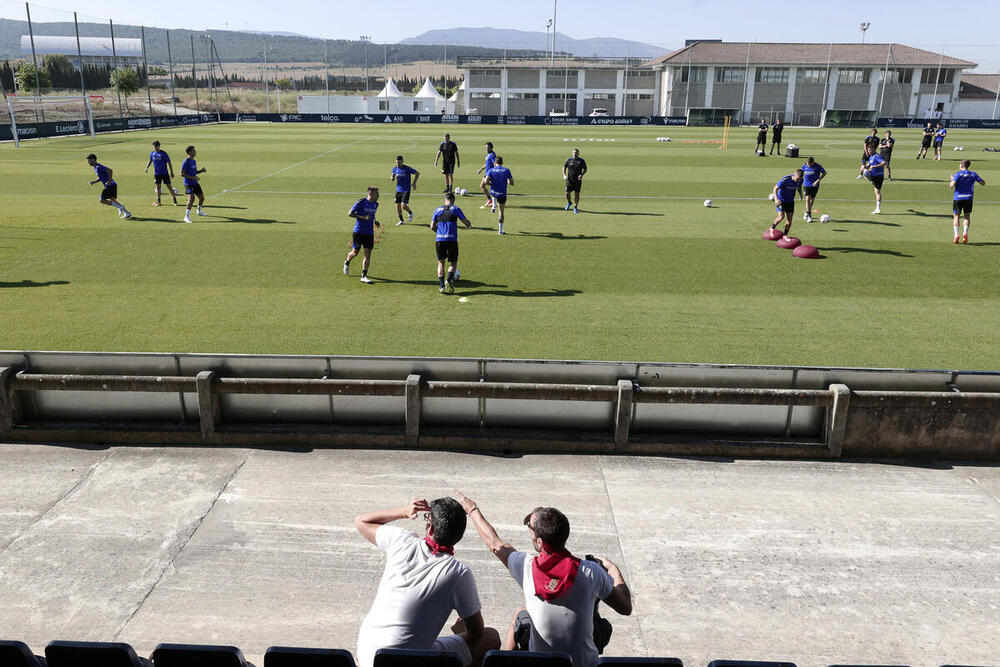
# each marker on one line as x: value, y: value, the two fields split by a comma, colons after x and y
x: 364, y: 40
x: 547, y: 26
x: 864, y: 28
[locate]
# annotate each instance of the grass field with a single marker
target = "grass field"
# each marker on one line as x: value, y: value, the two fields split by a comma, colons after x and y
x: 644, y: 272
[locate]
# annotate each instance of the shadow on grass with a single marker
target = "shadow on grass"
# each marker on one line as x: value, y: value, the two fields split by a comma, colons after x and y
x: 32, y: 283
x: 985, y: 244
x: 868, y: 222
x: 465, y: 287
x: 219, y: 220
x: 917, y: 180
x: 869, y: 251
x: 913, y: 211
x: 589, y: 211
x: 460, y: 283
x: 559, y: 236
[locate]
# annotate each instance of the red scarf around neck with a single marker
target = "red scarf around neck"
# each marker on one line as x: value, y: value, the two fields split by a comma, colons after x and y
x: 437, y: 548
x: 553, y: 571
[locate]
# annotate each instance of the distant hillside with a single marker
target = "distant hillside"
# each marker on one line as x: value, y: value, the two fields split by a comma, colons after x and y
x: 236, y: 46
x: 500, y: 38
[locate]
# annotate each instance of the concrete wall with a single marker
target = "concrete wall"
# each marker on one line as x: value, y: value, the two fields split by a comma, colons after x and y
x: 727, y: 95
x: 974, y: 109
x: 851, y: 96
x: 522, y: 107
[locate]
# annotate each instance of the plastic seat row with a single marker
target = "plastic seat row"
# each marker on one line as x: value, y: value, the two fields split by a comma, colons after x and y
x: 106, y: 654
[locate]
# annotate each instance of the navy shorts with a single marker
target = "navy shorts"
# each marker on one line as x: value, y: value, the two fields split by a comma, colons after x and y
x: 785, y: 206
x: 500, y: 199
x: 109, y: 192
x: 962, y: 206
x: 363, y: 241
x: 573, y: 184
x: 810, y: 190
x: 193, y: 189
x: 447, y: 250
x: 161, y: 178
x: 403, y: 197
x: 448, y: 167
x: 877, y: 181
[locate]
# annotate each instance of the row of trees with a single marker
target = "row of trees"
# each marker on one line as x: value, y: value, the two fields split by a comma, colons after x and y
x: 59, y: 73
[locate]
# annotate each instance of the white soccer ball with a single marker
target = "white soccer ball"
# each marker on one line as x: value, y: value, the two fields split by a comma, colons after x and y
x: 959, y: 148
x: 770, y: 197
x: 463, y: 192
x: 824, y: 218
x: 708, y: 203
x: 666, y: 138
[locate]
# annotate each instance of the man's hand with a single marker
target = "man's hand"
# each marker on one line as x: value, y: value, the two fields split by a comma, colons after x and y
x: 377, y: 223
x: 417, y: 505
x: 468, y: 504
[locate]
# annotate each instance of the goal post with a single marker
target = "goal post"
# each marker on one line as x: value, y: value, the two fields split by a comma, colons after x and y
x: 64, y: 115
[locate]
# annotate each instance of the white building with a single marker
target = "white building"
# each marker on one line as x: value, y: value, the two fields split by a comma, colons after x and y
x: 389, y: 100
x: 95, y: 50
x: 575, y: 87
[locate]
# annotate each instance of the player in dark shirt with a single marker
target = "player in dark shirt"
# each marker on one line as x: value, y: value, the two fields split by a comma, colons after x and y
x: 449, y: 151
x: 573, y: 171
x: 925, y: 141
x: 761, y: 138
x: 885, y: 150
x: 776, y: 130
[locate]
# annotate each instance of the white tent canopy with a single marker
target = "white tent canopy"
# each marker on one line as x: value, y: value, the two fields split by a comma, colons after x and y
x: 428, y: 90
x: 390, y: 90
x: 461, y: 88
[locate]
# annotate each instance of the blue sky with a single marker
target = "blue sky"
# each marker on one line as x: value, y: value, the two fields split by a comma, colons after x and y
x: 971, y: 34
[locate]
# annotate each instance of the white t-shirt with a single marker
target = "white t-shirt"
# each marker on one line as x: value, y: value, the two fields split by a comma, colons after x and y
x: 415, y: 597
x: 565, y: 623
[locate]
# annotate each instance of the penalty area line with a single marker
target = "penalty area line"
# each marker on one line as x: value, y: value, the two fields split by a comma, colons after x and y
x: 291, y: 166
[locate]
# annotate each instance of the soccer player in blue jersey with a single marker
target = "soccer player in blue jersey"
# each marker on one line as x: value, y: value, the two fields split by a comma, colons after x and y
x: 874, y: 171
x: 499, y: 177
x: 784, y: 198
x: 444, y: 224
x: 963, y: 182
x: 363, y: 239
x: 491, y: 159
x: 163, y: 171
x: 109, y: 195
x: 812, y: 173
x: 401, y: 174
x: 190, y: 171
x: 939, y: 134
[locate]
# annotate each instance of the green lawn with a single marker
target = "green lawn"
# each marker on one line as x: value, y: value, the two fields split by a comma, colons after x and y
x: 645, y: 272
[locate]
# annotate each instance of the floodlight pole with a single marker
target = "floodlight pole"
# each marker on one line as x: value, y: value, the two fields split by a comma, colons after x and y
x: 170, y: 63
x: 145, y: 65
x: 79, y: 55
x: 114, y: 59
x: 34, y: 61
x: 326, y: 74
x: 997, y: 100
x: 364, y: 40
x: 194, y: 80
x: 885, y: 79
x: 553, y: 58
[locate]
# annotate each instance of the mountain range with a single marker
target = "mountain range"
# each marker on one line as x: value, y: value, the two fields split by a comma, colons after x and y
x: 503, y: 38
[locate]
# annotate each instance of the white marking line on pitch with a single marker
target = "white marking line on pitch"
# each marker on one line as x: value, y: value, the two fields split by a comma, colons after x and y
x: 663, y: 197
x: 291, y: 166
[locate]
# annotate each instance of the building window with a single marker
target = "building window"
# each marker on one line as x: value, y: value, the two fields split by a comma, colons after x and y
x: 560, y: 96
x: 692, y: 74
x: 729, y: 74
x: 638, y: 96
x: 484, y: 96
x: 811, y: 75
x: 416, y: 106
x: 598, y: 96
x: 942, y: 75
x: 898, y: 75
x: 522, y: 96
x: 383, y: 105
x: 484, y: 72
x: 855, y: 75
x: 771, y: 75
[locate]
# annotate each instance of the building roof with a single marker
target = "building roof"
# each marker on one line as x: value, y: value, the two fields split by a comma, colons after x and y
x: 729, y: 53
x: 390, y: 90
x: 428, y: 90
x: 979, y: 86
x: 124, y: 47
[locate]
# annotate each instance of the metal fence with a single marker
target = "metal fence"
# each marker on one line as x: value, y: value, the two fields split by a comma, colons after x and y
x: 498, y: 405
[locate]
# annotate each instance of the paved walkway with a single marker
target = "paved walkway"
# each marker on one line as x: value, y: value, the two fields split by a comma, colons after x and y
x: 812, y: 562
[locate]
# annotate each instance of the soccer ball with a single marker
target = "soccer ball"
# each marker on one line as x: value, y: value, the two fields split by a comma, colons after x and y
x: 770, y: 197
x: 708, y: 203
x: 824, y: 218
x: 959, y: 148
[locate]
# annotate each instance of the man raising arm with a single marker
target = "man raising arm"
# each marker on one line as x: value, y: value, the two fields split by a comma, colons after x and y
x: 421, y: 584
x: 559, y: 589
